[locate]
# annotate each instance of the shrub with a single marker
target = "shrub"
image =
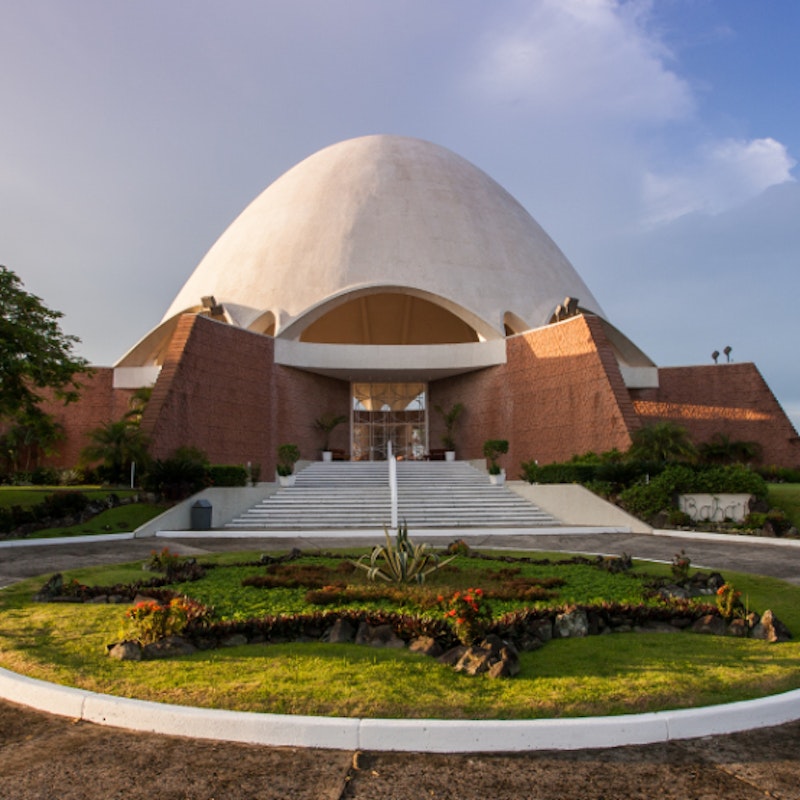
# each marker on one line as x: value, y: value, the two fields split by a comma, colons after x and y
x: 61, y: 504
x: 493, y: 449
x: 44, y: 476
x: 288, y: 456
x: 680, y: 567
x: 468, y: 613
x: 228, y: 475
x: 648, y: 499
x: 402, y: 562
x: 149, y: 621
x: 728, y: 602
x: 177, y: 477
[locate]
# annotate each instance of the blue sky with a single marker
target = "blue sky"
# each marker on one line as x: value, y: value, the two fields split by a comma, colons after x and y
x: 657, y: 142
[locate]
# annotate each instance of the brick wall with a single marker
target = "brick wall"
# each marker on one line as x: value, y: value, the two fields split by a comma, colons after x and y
x: 301, y: 398
x: 560, y: 393
x: 99, y: 404
x: 731, y: 399
x: 219, y: 390
x: 214, y: 393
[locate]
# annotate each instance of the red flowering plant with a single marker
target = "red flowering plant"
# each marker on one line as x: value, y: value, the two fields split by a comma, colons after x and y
x: 468, y: 612
x: 150, y: 620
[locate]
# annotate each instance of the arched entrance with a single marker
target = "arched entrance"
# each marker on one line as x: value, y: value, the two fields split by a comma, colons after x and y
x: 389, y: 412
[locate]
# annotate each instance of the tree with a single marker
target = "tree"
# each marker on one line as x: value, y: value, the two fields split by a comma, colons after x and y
x: 30, y: 435
x: 117, y: 444
x: 34, y: 353
x: 662, y: 442
x: 721, y: 449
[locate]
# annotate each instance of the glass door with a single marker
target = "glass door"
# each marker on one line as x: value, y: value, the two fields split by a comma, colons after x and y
x: 389, y: 412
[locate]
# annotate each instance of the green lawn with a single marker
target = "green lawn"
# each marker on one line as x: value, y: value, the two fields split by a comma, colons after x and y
x: 27, y: 496
x: 786, y: 496
x: 613, y: 674
x: 121, y: 519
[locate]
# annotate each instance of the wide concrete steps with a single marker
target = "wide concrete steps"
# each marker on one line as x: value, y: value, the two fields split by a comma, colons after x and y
x: 356, y: 495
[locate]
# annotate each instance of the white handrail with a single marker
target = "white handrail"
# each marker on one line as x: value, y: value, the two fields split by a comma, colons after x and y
x: 393, y: 487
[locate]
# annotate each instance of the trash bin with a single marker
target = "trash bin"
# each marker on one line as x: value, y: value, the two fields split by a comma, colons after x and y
x: 201, y: 516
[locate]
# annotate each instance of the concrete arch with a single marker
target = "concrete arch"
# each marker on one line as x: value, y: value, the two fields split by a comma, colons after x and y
x: 389, y: 315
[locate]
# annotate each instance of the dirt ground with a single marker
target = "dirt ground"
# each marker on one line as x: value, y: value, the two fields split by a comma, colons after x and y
x: 44, y: 757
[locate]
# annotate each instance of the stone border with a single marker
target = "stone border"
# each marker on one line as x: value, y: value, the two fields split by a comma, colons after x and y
x: 399, y: 735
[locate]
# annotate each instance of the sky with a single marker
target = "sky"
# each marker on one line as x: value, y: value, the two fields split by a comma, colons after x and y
x: 656, y: 141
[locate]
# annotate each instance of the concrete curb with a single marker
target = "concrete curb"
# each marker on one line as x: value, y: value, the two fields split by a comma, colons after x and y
x: 702, y: 536
x: 404, y: 735
x: 100, y: 537
x: 368, y: 533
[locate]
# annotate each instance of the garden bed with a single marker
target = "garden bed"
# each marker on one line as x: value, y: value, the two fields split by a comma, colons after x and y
x: 300, y: 674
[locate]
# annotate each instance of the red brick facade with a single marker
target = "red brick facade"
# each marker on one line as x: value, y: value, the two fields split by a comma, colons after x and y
x: 220, y: 390
x: 560, y: 393
x: 99, y: 403
x: 731, y: 399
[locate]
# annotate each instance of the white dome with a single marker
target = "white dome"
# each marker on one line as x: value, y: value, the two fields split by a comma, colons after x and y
x: 386, y: 213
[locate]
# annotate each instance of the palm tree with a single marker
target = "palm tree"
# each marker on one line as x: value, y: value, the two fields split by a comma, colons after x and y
x: 662, y: 442
x: 116, y: 444
x: 721, y: 449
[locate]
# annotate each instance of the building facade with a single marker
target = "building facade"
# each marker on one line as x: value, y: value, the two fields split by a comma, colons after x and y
x: 384, y: 277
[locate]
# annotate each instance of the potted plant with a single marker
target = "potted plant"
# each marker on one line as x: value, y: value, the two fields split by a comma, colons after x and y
x: 493, y: 449
x: 450, y: 419
x: 288, y: 456
x: 326, y: 424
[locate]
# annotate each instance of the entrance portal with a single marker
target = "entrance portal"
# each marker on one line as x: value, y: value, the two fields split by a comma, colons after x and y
x: 389, y: 412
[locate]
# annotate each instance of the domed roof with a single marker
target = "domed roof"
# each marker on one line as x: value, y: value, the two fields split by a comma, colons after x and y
x: 382, y: 213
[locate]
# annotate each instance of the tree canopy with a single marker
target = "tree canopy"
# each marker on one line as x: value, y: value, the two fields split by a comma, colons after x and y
x: 34, y: 352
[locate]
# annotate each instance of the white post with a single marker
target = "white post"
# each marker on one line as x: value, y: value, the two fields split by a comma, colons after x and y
x: 393, y: 487
x: 133, y: 472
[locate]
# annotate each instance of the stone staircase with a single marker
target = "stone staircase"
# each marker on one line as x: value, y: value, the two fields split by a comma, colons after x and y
x: 355, y: 495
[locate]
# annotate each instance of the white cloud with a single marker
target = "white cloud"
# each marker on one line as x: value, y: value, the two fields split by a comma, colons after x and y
x: 723, y: 175
x: 586, y: 59
x: 592, y: 84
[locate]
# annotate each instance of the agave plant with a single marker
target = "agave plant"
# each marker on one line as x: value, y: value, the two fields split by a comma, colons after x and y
x: 401, y: 561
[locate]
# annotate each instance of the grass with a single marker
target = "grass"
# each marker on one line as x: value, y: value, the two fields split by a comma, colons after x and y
x: 27, y: 496
x: 621, y: 673
x: 121, y: 519
x: 786, y: 496
x: 115, y: 520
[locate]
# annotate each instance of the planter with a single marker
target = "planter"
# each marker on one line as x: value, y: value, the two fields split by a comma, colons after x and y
x: 715, y: 508
x: 327, y: 455
x: 497, y: 480
x: 287, y: 480
x: 449, y: 455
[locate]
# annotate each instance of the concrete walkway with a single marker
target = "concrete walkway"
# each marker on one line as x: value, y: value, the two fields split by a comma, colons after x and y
x: 778, y: 559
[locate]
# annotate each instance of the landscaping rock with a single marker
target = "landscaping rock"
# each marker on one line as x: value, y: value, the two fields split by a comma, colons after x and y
x: 571, y: 624
x: 169, y: 647
x: 234, y: 640
x: 341, y: 632
x: 452, y: 656
x: 673, y: 591
x: 378, y: 636
x: 125, y: 651
x: 655, y: 627
x: 51, y: 589
x: 492, y: 656
x: 771, y: 629
x: 542, y: 629
x: 739, y: 628
x: 426, y: 645
x: 710, y: 623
